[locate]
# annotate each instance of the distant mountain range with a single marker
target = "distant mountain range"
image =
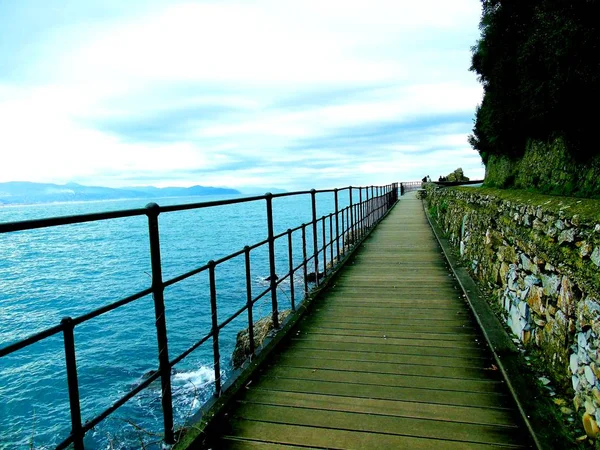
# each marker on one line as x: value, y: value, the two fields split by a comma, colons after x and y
x: 24, y: 192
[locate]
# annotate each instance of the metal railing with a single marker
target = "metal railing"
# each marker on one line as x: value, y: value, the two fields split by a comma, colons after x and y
x: 346, y: 226
x: 408, y: 186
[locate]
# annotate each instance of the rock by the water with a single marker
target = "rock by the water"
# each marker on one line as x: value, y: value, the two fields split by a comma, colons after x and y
x: 311, y: 277
x: 261, y: 330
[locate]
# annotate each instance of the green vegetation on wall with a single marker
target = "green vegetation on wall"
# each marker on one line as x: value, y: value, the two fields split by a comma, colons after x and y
x: 547, y: 168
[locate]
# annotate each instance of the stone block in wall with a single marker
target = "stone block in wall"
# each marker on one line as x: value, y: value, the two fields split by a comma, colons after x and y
x: 566, y: 236
x: 550, y: 283
x: 595, y: 257
x: 588, y: 314
x: 493, y: 238
x: 554, y: 340
x: 566, y: 296
x: 507, y: 254
x: 585, y: 249
x: 529, y: 265
x: 535, y: 299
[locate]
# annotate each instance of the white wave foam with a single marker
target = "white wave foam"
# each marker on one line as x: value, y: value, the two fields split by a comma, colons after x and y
x: 196, y: 378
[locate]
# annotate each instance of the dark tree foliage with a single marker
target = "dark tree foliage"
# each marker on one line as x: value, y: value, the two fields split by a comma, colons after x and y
x: 539, y: 63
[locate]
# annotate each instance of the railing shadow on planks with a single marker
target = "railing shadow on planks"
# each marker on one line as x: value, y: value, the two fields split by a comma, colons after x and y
x: 346, y: 225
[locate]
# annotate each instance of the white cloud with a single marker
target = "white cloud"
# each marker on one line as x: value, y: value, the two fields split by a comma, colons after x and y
x: 397, y: 61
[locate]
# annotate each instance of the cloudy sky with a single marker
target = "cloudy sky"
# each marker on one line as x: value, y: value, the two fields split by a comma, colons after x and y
x: 274, y: 93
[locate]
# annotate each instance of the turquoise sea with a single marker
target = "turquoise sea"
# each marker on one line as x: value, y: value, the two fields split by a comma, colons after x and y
x: 49, y: 273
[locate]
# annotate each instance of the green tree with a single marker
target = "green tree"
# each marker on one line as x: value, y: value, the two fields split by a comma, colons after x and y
x: 539, y: 63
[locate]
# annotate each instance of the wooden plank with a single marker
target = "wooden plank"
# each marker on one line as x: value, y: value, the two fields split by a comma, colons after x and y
x: 416, y: 301
x: 340, y: 308
x: 391, y: 333
x: 387, y: 341
x: 394, y: 358
x: 368, y: 315
x: 393, y: 349
x: 460, y: 414
x: 436, y: 396
x: 235, y: 443
x: 399, y: 297
x: 416, y: 326
x: 382, y: 374
x: 422, y: 322
x: 373, y: 423
x: 338, y: 439
x: 395, y: 368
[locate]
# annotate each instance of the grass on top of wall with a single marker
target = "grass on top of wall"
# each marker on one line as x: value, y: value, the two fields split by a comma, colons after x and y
x: 586, y: 208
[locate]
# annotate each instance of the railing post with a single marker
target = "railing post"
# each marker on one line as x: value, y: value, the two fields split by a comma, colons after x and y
x: 152, y: 211
x: 304, y: 262
x: 215, y: 326
x: 361, y: 216
x: 376, y: 205
x: 291, y: 260
x: 324, y: 246
x: 331, y: 238
x: 313, y: 196
x: 371, y: 207
x: 273, y: 274
x: 249, y: 299
x: 351, y: 232
x: 344, y: 212
x: 377, y: 202
x: 337, y: 227
x: 73, y: 383
x: 367, y: 209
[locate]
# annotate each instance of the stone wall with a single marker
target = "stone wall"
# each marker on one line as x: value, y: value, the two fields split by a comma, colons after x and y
x: 539, y: 257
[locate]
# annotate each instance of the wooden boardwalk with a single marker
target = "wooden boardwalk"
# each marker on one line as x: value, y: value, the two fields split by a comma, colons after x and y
x: 390, y: 359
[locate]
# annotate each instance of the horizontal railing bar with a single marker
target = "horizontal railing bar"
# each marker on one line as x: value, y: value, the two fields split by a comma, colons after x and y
x: 232, y: 201
x: 64, y: 444
x: 232, y: 317
x: 8, y: 227
x: 110, y: 307
x: 258, y: 244
x: 202, y: 205
x: 92, y: 217
x: 228, y: 257
x: 299, y: 266
x: 261, y: 295
x: 288, y: 194
x: 280, y: 235
x: 88, y: 425
x: 30, y: 340
x: 190, y: 350
x: 103, y: 415
x: 283, y: 278
x: 184, y: 276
